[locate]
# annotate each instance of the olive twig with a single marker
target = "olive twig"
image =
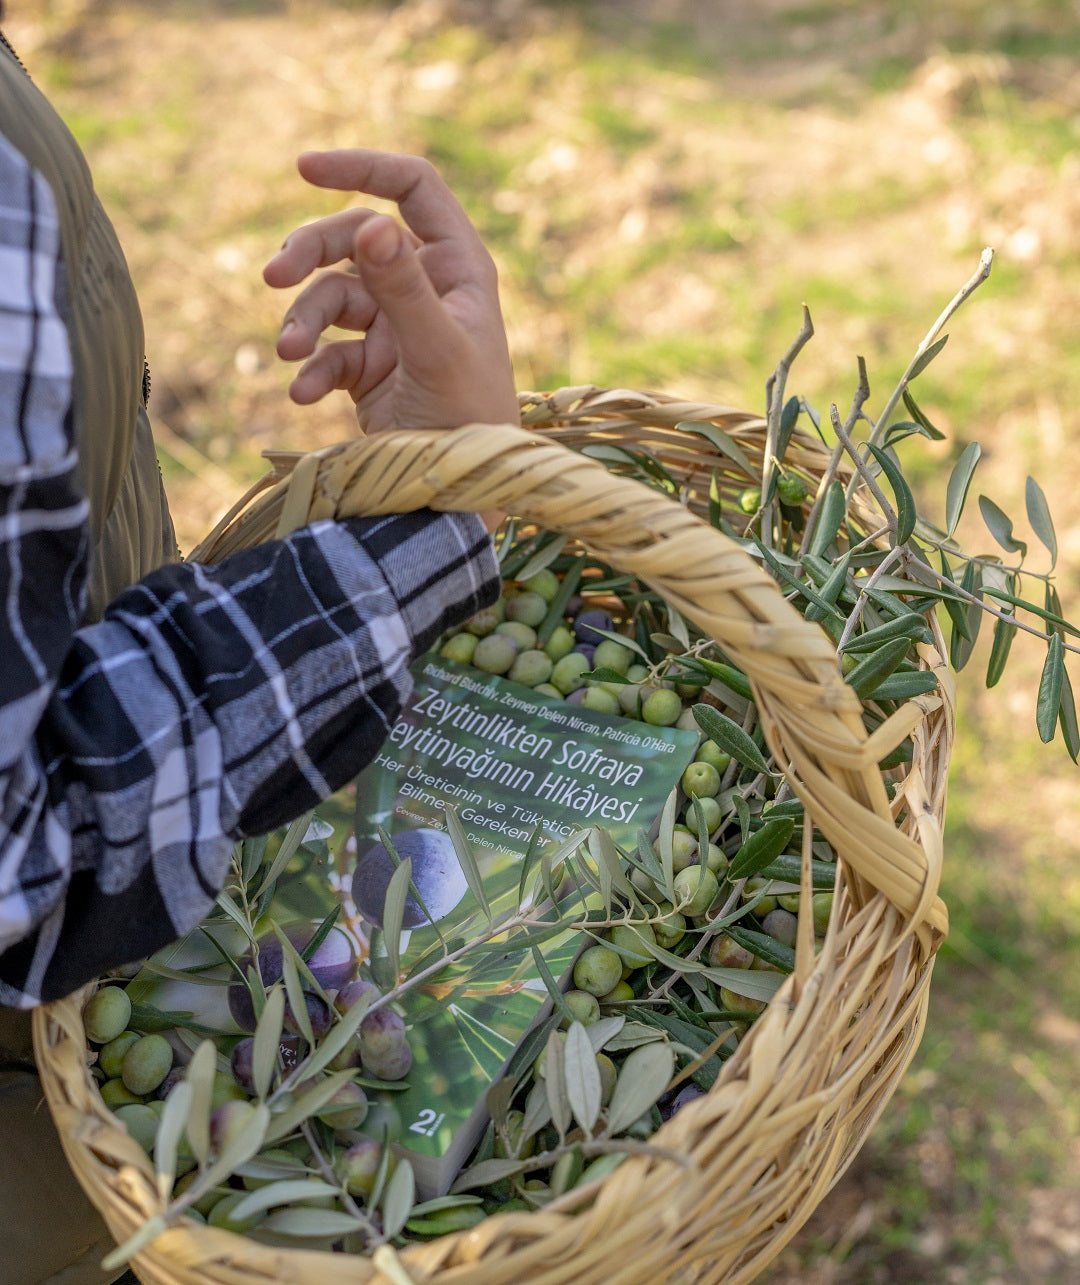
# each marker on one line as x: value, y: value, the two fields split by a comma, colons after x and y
x: 969, y: 287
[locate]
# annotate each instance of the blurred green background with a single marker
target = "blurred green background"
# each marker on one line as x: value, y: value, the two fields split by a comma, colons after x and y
x: 663, y: 183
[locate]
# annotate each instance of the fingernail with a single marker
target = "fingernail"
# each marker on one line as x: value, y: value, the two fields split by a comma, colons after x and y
x: 382, y: 243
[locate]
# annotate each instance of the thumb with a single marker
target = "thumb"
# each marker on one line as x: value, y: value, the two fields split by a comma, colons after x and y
x: 394, y: 277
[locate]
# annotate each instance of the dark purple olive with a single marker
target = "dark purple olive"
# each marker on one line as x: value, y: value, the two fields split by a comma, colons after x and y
x: 353, y: 992
x: 332, y: 965
x: 320, y: 1015
x: 688, y: 1093
x: 588, y: 650
x: 242, y: 1064
x: 586, y: 624
x: 170, y: 1081
x: 384, y: 1045
x: 436, y: 872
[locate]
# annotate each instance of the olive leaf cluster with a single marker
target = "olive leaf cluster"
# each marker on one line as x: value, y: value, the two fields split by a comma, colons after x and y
x: 857, y: 577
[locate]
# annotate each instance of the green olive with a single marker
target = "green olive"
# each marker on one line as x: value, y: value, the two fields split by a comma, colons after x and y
x: 146, y: 1063
x: 106, y: 1014
x: 597, y: 970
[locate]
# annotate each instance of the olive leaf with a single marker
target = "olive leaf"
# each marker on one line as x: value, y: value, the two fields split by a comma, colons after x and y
x: 1050, y: 617
x: 1048, y: 705
x: 226, y: 903
x: 962, y: 642
x: 917, y: 415
x: 537, y: 1111
x: 305, y: 1105
x: 788, y: 869
x: 582, y: 1076
x: 874, y: 668
x: 308, y: 1223
x: 730, y: 737
x: 761, y: 847
x: 828, y: 520
x: 788, y: 419
x: 200, y: 1075
x: 139, y: 1239
x: 1070, y: 731
x: 557, y: 606
x: 553, y: 989
x: 763, y: 947
x: 467, y: 860
x: 907, y: 625
x: 906, y: 513
x: 785, y: 576
x: 287, y: 1192
x: 1000, y: 526
x: 393, y: 915
x: 398, y: 1198
x: 604, y: 1030
x: 543, y: 558
x: 267, y: 1041
x: 290, y: 975
x: 272, y: 1168
x: 1004, y: 633
x: 606, y: 856
x: 751, y: 983
x: 925, y: 358
x: 643, y: 1078
x: 905, y: 686
x: 900, y: 429
x: 959, y: 482
x: 1038, y: 512
x: 488, y: 1172
x: 555, y: 1084
x: 248, y: 1140
x: 169, y: 1132
x: 714, y: 501
x: 721, y: 440
x: 727, y: 674
x: 528, y: 861
x: 251, y: 853
x: 665, y: 837
x: 290, y: 843
x: 498, y: 1099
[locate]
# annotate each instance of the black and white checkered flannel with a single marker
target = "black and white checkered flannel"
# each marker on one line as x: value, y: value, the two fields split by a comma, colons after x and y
x: 208, y: 703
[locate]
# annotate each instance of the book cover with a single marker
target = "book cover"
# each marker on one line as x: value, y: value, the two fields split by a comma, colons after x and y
x: 518, y: 768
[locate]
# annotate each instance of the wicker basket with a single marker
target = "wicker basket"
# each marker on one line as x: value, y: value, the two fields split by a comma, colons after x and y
x: 792, y: 1106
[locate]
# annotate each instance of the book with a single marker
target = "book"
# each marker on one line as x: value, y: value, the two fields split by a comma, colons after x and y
x: 522, y: 771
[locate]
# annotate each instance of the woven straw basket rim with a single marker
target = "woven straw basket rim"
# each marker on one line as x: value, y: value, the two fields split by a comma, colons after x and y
x: 793, y: 1104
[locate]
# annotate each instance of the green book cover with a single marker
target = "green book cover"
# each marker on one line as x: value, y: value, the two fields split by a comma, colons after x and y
x: 512, y: 764
x: 518, y: 768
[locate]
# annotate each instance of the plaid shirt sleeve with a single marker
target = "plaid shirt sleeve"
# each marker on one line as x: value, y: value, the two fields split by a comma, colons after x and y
x: 208, y: 703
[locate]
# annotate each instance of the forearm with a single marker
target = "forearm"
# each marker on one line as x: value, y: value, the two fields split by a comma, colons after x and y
x: 210, y: 703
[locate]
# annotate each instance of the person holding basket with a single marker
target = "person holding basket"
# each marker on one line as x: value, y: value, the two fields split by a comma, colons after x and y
x: 152, y: 711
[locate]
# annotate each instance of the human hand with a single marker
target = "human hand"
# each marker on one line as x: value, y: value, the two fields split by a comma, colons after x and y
x: 425, y: 296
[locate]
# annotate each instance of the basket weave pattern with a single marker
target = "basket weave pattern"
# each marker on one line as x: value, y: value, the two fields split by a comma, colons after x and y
x: 794, y: 1103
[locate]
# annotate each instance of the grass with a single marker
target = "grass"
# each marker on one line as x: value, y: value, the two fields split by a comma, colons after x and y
x: 662, y: 187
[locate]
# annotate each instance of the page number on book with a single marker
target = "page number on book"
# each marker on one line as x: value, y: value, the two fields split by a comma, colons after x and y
x: 427, y: 1122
